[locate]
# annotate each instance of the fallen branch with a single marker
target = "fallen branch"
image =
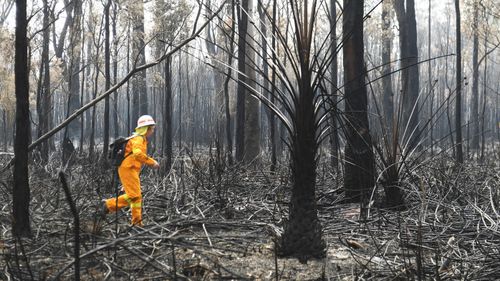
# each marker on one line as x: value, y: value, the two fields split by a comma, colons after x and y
x: 76, y: 220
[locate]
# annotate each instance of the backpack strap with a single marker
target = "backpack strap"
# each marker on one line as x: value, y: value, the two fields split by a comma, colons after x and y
x: 130, y: 153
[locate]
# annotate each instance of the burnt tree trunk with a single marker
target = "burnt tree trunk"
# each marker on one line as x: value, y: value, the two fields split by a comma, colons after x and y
x: 359, y: 166
x: 73, y: 129
x: 458, y: 105
x: 21, y: 190
x: 252, y: 104
x: 82, y: 94
x: 230, y: 41
x: 388, y: 94
x: 139, y: 91
x: 44, y: 99
x: 475, y: 80
x: 272, y: 121
x: 266, y: 86
x: 116, y: 127
x: 431, y: 90
x: 409, y: 73
x: 302, y: 236
x: 334, y: 137
x: 107, y: 74
x: 167, y: 118
x: 393, y: 196
x: 73, y: 73
x: 241, y: 98
x: 179, y: 80
x: 484, y: 98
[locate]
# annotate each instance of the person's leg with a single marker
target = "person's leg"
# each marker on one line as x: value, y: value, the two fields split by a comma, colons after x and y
x: 136, y: 209
x: 132, y: 186
x: 113, y: 205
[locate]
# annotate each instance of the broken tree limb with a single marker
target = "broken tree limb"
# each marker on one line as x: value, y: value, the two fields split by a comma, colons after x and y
x: 76, y: 221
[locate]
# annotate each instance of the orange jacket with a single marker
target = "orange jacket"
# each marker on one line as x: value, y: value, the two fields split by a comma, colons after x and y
x: 137, y: 153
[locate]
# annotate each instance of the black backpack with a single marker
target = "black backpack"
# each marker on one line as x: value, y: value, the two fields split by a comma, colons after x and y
x: 117, y: 151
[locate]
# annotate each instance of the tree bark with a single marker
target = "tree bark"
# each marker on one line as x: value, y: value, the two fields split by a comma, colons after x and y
x: 167, y: 115
x: 5, y: 130
x: 216, y: 78
x: 116, y: 126
x: 359, y: 166
x: 73, y: 129
x: 252, y: 104
x: 73, y: 72
x: 179, y: 80
x: 230, y: 42
x: 139, y: 90
x: 334, y: 137
x: 266, y: 86
x: 431, y: 91
x: 82, y: 94
x: 88, y: 85
x: 483, y: 110
x: 44, y: 98
x: 21, y: 189
x: 458, y: 105
x: 107, y: 74
x: 272, y: 121
x: 475, y: 79
x: 241, y: 95
x: 388, y: 94
x: 393, y: 197
x: 409, y: 73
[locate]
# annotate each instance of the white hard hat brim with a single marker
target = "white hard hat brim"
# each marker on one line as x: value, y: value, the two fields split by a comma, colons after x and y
x: 146, y: 125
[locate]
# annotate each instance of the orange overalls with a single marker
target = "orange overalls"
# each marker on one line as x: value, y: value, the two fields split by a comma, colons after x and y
x: 129, y: 171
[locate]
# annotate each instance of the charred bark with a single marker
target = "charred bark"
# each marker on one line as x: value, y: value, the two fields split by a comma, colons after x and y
x: 359, y: 166
x: 21, y: 189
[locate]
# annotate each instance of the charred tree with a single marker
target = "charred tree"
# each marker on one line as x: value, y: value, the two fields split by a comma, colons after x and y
x: 458, y: 105
x: 179, y: 80
x: 252, y: 104
x: 44, y: 97
x: 21, y: 189
x: 475, y: 79
x: 272, y: 120
x: 167, y: 118
x: 359, y: 166
x: 73, y: 129
x: 107, y: 74
x: 388, y: 94
x: 241, y: 95
x: 334, y: 137
x: 405, y: 12
x: 216, y: 79
x: 266, y: 86
x: 116, y: 127
x: 391, y: 169
x: 302, y: 236
x: 429, y: 73
x: 230, y: 42
x: 139, y: 90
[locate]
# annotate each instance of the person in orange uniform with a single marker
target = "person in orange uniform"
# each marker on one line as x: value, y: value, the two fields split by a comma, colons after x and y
x: 129, y: 170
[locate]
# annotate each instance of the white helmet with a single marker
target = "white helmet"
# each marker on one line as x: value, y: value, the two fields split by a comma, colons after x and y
x: 145, y: 120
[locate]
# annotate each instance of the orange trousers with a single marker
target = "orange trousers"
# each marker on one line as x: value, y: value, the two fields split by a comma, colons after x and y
x: 129, y: 176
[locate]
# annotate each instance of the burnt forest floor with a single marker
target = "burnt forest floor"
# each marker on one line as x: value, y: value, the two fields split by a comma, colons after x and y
x: 206, y: 221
